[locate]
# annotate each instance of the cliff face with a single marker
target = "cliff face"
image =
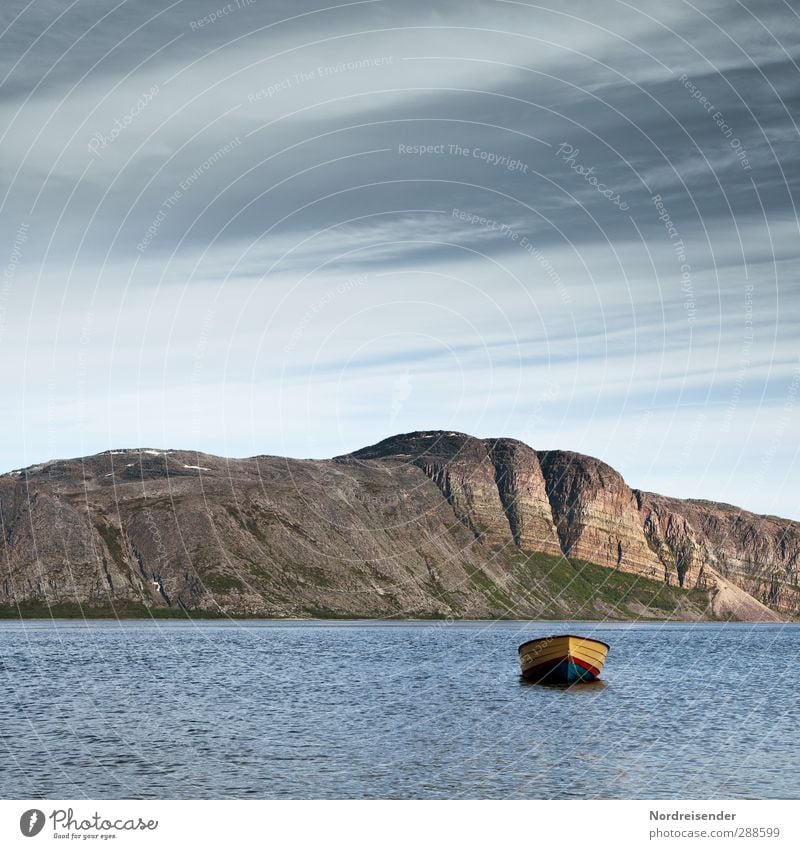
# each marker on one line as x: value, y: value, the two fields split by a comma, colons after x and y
x: 522, y: 488
x: 495, y: 487
x: 422, y: 524
x: 698, y: 540
x: 597, y: 515
x: 462, y: 469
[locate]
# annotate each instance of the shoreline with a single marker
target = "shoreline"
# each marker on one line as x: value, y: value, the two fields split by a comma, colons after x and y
x: 350, y: 620
x: 73, y: 612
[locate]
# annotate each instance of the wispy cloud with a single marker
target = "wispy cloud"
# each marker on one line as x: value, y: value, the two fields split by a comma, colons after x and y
x: 307, y: 225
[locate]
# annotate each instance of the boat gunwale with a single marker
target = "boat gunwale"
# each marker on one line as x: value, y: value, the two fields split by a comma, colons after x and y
x: 561, y: 636
x: 596, y: 655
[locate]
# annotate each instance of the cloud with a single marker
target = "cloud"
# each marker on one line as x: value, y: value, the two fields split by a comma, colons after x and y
x: 289, y: 217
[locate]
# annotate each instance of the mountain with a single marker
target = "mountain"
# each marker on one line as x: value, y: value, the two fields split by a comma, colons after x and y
x: 425, y: 524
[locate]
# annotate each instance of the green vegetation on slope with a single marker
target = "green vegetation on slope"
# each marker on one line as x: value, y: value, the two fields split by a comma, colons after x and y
x: 538, y: 586
x: 580, y: 589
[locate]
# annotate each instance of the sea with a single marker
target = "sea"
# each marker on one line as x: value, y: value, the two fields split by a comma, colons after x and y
x: 398, y: 710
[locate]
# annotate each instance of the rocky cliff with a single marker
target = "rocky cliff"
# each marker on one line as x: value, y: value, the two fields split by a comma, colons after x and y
x: 424, y: 524
x: 495, y: 487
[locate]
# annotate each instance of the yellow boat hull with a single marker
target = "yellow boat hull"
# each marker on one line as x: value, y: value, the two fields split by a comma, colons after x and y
x: 562, y: 659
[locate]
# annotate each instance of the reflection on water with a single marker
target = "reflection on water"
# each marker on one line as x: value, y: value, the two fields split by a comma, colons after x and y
x: 302, y: 710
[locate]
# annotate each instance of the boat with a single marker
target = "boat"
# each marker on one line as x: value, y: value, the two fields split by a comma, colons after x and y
x: 562, y: 659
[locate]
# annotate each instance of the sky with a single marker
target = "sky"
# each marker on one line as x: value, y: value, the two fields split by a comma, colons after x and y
x: 295, y: 229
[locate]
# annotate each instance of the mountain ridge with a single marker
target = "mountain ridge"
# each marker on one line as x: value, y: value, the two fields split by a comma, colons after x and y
x: 427, y: 523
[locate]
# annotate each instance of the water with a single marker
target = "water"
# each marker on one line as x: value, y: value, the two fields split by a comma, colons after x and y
x: 400, y: 710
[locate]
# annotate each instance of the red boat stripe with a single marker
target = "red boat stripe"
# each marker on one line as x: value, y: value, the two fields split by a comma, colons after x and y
x: 586, y: 665
x: 553, y: 662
